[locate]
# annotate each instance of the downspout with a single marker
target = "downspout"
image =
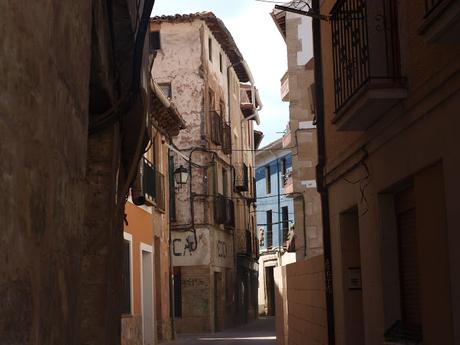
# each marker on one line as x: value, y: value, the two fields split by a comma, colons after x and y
x: 320, y: 168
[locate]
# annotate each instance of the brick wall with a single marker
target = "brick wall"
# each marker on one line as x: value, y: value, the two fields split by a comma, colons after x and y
x: 303, y: 304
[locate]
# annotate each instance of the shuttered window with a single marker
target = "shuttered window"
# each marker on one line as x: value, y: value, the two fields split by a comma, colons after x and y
x: 408, y: 261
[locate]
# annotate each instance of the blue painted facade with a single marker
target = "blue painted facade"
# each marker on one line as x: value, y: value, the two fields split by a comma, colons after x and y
x: 273, y: 200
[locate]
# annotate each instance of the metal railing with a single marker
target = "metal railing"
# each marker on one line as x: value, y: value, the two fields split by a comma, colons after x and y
x: 216, y: 127
x: 224, y: 211
x: 229, y: 213
x: 219, y: 209
x: 365, y: 45
x: 241, y: 178
x: 226, y: 138
x: 350, y: 48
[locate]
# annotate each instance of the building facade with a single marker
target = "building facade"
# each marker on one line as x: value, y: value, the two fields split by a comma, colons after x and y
x: 275, y: 218
x: 297, y: 88
x: 213, y: 242
x: 65, y: 170
x: 147, y: 314
x: 391, y: 169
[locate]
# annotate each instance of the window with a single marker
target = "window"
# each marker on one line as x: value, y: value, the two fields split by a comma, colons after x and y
x: 224, y: 182
x: 210, y: 48
x: 155, y: 42
x: 177, y: 292
x: 285, y: 221
x: 269, y: 229
x: 408, y: 261
x: 126, y: 278
x: 221, y: 63
x: 172, y: 190
x: 166, y: 89
x: 268, y: 182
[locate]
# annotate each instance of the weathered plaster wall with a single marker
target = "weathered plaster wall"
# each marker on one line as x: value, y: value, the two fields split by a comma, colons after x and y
x: 44, y: 76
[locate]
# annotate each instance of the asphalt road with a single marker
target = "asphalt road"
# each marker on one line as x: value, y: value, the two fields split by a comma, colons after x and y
x: 258, y: 332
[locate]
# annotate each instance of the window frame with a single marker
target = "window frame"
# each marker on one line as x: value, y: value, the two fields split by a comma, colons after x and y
x: 128, y: 239
x: 210, y: 49
x: 268, y: 180
x: 152, y: 40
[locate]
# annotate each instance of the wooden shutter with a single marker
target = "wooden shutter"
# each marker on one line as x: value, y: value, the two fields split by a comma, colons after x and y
x: 408, y: 260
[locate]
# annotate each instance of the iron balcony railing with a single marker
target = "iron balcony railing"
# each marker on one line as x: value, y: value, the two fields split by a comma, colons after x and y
x: 216, y: 127
x: 226, y: 138
x: 229, y: 213
x: 219, y: 209
x: 224, y: 211
x: 241, y: 178
x: 365, y: 45
x: 430, y: 6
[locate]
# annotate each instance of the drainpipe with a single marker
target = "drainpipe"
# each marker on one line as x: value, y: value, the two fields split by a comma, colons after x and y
x: 320, y: 168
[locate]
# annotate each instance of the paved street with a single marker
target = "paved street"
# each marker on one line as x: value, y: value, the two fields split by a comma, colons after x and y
x: 259, y: 332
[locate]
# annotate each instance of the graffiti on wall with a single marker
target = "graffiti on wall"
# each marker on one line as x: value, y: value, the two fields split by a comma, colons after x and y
x: 188, y: 250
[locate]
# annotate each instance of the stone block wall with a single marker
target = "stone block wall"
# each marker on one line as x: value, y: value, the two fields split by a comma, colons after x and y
x: 302, y: 319
x: 131, y: 330
x: 195, y: 284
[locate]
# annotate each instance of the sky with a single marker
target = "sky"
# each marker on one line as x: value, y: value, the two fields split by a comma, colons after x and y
x: 261, y: 44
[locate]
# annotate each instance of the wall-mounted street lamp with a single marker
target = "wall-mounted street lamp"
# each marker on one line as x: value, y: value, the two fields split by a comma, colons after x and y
x: 181, y: 175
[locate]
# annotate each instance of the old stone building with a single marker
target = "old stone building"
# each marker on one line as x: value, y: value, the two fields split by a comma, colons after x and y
x: 297, y: 88
x: 391, y: 77
x: 199, y: 66
x: 72, y: 113
x: 147, y: 316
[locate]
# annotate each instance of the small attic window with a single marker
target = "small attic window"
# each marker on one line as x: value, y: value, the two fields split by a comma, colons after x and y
x: 210, y: 49
x: 221, y: 63
x: 155, y: 42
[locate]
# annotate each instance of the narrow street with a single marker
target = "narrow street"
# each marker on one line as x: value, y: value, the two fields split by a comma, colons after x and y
x: 258, y: 332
